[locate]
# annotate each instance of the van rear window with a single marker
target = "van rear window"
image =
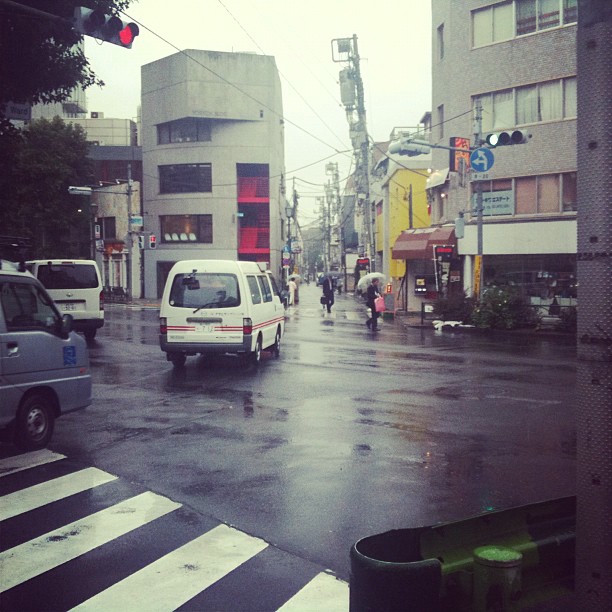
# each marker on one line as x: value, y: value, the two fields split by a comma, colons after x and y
x: 203, y: 290
x: 68, y: 276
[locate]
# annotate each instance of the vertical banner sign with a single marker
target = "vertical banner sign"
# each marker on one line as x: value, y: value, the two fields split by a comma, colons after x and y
x: 455, y: 156
x: 477, y: 274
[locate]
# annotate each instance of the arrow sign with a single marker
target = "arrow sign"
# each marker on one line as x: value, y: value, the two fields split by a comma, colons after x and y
x: 482, y: 160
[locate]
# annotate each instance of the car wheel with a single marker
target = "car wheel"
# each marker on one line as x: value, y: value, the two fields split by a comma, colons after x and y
x: 178, y: 359
x: 90, y: 334
x: 35, y: 421
x: 277, y: 344
x: 256, y: 354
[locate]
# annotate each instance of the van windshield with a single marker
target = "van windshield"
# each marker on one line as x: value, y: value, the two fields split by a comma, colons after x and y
x: 203, y: 290
x: 68, y: 276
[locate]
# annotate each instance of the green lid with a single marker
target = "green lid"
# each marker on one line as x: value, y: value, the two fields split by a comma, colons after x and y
x: 497, y: 556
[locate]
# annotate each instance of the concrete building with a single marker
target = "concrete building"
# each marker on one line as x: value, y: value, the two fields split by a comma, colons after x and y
x: 213, y: 160
x: 517, y: 58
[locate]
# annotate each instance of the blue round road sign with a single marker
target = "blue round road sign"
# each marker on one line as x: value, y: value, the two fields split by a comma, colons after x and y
x: 481, y: 160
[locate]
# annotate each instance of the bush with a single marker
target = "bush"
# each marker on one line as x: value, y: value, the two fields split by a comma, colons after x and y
x: 569, y: 319
x: 502, y: 308
x: 456, y: 307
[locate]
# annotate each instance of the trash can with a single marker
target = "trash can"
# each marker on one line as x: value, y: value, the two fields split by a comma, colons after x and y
x: 497, y: 579
x: 387, y: 574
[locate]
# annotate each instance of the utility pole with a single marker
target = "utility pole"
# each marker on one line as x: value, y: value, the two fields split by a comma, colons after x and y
x: 594, y: 372
x: 128, y: 262
x: 353, y: 99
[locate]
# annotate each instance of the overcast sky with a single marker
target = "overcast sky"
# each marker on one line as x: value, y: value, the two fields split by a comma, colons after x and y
x: 394, y: 40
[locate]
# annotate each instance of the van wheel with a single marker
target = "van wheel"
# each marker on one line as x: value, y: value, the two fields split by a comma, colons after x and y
x: 178, y: 359
x: 90, y: 334
x: 256, y: 354
x: 277, y: 344
x: 35, y: 421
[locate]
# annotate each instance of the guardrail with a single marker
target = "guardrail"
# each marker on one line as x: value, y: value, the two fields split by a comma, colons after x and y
x: 434, y: 568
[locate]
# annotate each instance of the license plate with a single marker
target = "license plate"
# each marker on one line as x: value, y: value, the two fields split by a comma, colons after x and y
x: 206, y: 328
x: 68, y: 307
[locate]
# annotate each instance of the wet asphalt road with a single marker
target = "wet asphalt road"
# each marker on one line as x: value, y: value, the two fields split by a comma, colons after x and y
x: 347, y: 434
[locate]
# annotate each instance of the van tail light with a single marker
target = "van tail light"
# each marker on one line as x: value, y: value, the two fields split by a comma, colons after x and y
x: 163, y: 325
x: 102, y: 300
x: 247, y: 326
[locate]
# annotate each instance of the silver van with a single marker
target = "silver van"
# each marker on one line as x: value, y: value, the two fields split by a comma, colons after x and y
x: 76, y: 288
x: 44, y: 365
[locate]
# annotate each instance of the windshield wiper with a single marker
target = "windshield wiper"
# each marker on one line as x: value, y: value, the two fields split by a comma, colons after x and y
x: 208, y: 305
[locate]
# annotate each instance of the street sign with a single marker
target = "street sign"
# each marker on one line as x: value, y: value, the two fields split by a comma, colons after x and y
x: 136, y: 220
x: 481, y: 160
x: 480, y: 176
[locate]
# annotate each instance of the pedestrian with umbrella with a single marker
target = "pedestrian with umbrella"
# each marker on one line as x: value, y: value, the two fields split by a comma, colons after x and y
x: 371, y: 295
x: 327, y: 299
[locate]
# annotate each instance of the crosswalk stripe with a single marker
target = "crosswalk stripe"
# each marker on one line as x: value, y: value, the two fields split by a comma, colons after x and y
x: 42, y: 554
x: 323, y: 592
x: 10, y: 465
x: 51, y: 491
x: 180, y: 575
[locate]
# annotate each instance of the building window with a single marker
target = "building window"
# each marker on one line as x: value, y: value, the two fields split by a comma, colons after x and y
x: 492, y: 24
x: 441, y: 121
x: 507, y: 20
x: 570, y: 108
x: 108, y: 229
x: 186, y: 228
x: 441, y: 41
x: 190, y: 129
x: 569, y: 191
x: 548, y: 193
x: 550, y: 101
x: 185, y: 178
x: 525, y: 195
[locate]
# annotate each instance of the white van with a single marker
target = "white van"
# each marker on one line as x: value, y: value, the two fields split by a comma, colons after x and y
x: 76, y: 288
x: 219, y: 306
x: 44, y: 366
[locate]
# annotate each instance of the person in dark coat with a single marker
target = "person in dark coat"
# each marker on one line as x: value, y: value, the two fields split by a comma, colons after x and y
x: 328, y: 292
x: 371, y: 295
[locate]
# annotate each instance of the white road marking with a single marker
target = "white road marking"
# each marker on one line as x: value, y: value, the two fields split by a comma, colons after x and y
x: 323, y: 592
x: 10, y: 465
x: 42, y: 554
x: 51, y: 491
x: 174, y: 579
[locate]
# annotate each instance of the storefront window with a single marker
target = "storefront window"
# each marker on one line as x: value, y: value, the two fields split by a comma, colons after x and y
x: 540, y: 278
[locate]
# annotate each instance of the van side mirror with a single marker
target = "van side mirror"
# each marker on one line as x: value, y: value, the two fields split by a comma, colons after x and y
x: 66, y: 325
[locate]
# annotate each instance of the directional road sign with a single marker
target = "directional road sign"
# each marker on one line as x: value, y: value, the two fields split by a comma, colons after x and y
x: 481, y: 160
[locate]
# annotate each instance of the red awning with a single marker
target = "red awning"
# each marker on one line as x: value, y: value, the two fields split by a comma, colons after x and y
x: 419, y: 243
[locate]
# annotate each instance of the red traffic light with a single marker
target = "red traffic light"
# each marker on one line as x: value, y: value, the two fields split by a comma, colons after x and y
x: 152, y: 241
x: 128, y: 34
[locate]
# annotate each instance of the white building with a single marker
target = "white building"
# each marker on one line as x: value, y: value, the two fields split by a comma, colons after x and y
x: 213, y: 160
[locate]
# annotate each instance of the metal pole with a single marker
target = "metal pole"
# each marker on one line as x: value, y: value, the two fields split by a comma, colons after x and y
x: 129, y: 233
x: 410, y: 219
x: 594, y: 375
x: 479, y: 207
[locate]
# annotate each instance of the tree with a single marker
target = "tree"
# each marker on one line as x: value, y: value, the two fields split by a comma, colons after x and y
x: 48, y: 157
x: 40, y: 61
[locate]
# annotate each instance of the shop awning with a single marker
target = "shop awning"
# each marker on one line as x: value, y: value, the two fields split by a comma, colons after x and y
x: 437, y: 178
x: 419, y: 243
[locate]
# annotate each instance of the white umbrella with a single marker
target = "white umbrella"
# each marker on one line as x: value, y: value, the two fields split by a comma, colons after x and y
x: 366, y: 280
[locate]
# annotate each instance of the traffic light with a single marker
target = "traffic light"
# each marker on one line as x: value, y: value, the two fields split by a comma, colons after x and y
x: 409, y: 147
x: 152, y: 241
x: 141, y: 242
x: 502, y: 139
x: 109, y: 28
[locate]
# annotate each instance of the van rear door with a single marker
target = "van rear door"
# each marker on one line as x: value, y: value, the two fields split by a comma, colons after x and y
x: 205, y: 308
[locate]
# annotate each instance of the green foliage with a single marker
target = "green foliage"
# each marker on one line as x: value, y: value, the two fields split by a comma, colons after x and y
x: 456, y: 307
x: 46, y: 158
x: 502, y: 308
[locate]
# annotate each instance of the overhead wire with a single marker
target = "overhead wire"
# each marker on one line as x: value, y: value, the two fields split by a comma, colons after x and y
x: 222, y: 78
